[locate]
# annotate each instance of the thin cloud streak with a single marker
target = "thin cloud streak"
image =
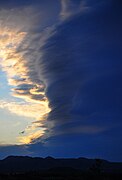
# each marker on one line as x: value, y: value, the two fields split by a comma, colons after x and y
x: 71, y: 8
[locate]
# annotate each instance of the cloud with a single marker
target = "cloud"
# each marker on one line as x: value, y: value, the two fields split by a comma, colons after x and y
x: 71, y: 8
x: 37, y: 117
x: 74, y: 67
x: 25, y: 83
x: 82, y: 68
x: 25, y: 27
x: 21, y: 40
x: 69, y: 76
x: 31, y: 137
x: 25, y: 109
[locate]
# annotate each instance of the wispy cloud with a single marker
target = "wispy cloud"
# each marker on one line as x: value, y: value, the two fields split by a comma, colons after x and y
x: 71, y: 8
x: 25, y: 109
x: 58, y: 70
x: 31, y: 137
x: 67, y: 76
x: 79, y: 73
x: 19, y: 56
x: 36, y: 113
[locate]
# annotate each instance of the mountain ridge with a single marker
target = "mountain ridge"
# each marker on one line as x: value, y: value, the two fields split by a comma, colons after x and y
x: 26, y: 163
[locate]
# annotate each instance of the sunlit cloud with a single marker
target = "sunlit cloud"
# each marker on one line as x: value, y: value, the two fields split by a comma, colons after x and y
x: 36, y: 68
x: 31, y: 137
x: 31, y: 110
x: 63, y: 69
x: 19, y: 56
x: 36, y: 112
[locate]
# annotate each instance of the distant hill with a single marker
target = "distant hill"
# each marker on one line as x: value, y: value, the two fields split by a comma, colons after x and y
x: 18, y: 164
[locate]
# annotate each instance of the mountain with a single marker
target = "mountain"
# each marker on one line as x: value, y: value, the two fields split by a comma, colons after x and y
x: 17, y: 164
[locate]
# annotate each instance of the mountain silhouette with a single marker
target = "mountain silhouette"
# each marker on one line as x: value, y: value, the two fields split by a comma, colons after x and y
x: 17, y: 164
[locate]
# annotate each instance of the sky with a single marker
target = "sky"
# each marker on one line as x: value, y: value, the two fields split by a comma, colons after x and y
x: 60, y: 78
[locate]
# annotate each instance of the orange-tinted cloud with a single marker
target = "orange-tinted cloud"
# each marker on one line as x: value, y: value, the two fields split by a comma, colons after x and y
x: 19, y: 56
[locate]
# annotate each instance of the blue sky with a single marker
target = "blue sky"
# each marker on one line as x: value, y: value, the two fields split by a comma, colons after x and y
x: 3, y: 85
x: 60, y: 78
